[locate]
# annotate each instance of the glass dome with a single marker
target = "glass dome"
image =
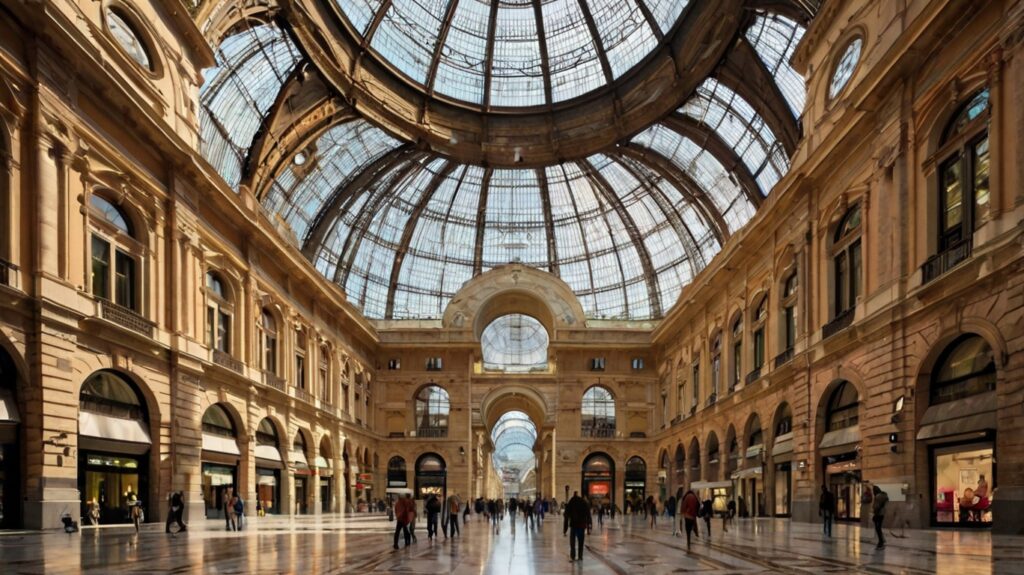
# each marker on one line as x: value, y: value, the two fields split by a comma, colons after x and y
x: 511, y: 53
x: 514, y: 436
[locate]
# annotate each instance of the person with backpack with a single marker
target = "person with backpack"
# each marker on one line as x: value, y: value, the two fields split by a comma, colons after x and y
x: 706, y: 513
x: 827, y: 510
x: 433, y: 511
x: 881, y: 498
x: 238, y: 506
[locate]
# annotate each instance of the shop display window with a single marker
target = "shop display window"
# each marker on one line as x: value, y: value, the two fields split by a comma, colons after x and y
x: 964, y: 480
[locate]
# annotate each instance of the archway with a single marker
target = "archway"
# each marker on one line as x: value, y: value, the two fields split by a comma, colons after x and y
x: 269, y: 464
x: 302, y: 472
x: 636, y: 480
x: 839, y: 447
x: 750, y: 476
x: 325, y: 469
x: 220, y: 458
x: 113, y: 446
x: 598, y: 479
x: 515, y: 343
x: 514, y: 436
x: 781, y: 467
x: 10, y: 440
x: 431, y: 476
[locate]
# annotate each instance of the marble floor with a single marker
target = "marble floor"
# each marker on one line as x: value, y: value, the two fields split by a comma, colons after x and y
x: 362, y: 544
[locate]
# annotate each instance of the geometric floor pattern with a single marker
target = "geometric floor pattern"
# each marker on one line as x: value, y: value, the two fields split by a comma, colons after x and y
x: 627, y: 546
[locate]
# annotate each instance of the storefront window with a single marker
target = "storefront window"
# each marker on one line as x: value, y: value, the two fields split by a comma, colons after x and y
x: 112, y: 481
x: 964, y: 480
x: 636, y: 479
x: 598, y: 479
x: 783, y: 489
x: 216, y: 481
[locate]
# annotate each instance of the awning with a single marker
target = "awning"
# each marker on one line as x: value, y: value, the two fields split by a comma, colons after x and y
x: 268, y: 453
x: 8, y: 407
x: 841, y: 438
x: 322, y: 462
x: 104, y: 433
x: 968, y: 415
x: 299, y: 459
x: 783, y: 444
x: 220, y: 444
x: 755, y: 450
x: 711, y: 485
x: 747, y: 473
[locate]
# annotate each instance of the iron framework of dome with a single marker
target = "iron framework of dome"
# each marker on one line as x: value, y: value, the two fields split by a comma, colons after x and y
x: 401, y: 226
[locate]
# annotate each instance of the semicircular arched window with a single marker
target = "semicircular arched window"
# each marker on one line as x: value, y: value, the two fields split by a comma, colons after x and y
x: 963, y: 178
x: 432, y: 408
x: 843, y: 407
x: 515, y: 343
x: 217, y: 421
x: 598, y: 413
x: 967, y: 367
x: 115, y: 257
x: 108, y: 393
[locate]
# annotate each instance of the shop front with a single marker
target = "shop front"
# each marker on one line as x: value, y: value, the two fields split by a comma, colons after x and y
x: 843, y: 479
x: 431, y: 476
x: 269, y: 465
x: 303, y: 475
x: 748, y: 485
x: 220, y: 460
x: 959, y: 429
x: 598, y: 479
x: 113, y: 448
x: 10, y: 438
x: 719, y: 492
x: 325, y: 472
x: 839, y: 451
x: 636, y: 480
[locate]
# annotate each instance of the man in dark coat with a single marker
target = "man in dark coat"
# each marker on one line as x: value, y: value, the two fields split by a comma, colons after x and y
x: 689, y: 508
x: 827, y: 509
x: 405, y: 512
x: 577, y: 518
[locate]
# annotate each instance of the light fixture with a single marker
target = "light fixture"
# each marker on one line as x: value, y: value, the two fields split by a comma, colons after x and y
x: 462, y: 450
x: 802, y: 465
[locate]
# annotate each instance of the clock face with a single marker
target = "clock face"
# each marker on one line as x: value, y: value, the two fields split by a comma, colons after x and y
x: 844, y: 69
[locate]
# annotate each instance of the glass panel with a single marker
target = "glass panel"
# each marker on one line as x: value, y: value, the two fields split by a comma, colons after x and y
x: 111, y: 213
x: 126, y: 36
x: 407, y: 34
x: 598, y: 412
x: 844, y: 69
x: 100, y: 268
x: 964, y: 482
x: 124, y: 280
x: 980, y: 163
x: 432, y: 408
x: 515, y: 343
x: 952, y: 195
x: 970, y: 111
x: 775, y: 39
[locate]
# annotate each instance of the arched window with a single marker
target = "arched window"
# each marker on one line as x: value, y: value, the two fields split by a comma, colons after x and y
x: 114, y: 255
x: 268, y: 342
x: 430, y: 476
x: 598, y: 478
x: 695, y: 460
x: 300, y: 451
x: 736, y: 374
x: 789, y: 297
x: 636, y: 479
x: 846, y: 263
x: 127, y: 37
x: 218, y: 314
x: 397, y: 474
x: 432, y: 409
x: 964, y: 173
x: 515, y: 343
x: 217, y: 421
x: 843, y: 407
x: 784, y: 421
x: 967, y: 367
x: 680, y: 465
x: 716, y: 367
x: 323, y: 383
x: 109, y: 394
x: 713, y: 449
x: 598, y: 413
x: 266, y: 435
x: 759, y: 320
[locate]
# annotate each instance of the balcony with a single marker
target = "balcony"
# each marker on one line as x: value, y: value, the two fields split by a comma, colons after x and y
x: 273, y: 380
x: 712, y: 399
x: 224, y: 359
x: 783, y: 358
x: 943, y: 262
x: 838, y: 324
x: 126, y: 318
x: 8, y: 273
x: 606, y: 432
x: 754, y: 375
x: 432, y: 432
x: 302, y: 394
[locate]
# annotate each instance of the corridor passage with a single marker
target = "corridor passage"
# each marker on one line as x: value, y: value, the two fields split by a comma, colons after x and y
x: 362, y: 544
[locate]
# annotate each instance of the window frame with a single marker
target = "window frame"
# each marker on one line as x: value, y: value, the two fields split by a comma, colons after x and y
x: 736, y: 329
x: 759, y: 348
x: 789, y: 303
x: 270, y: 348
x: 957, y: 148
x: 603, y: 414
x: 843, y: 415
x: 121, y: 246
x: 847, y: 262
x: 219, y: 308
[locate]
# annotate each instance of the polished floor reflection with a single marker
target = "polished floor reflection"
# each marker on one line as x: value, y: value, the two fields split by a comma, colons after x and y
x: 333, y: 544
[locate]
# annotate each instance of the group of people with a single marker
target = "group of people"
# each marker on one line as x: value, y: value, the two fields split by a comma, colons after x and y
x: 878, y: 499
x: 446, y: 512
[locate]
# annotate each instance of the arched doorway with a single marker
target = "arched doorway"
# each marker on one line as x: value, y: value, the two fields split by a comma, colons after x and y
x: 431, y: 476
x: 347, y: 477
x: 269, y: 464
x: 325, y: 470
x: 663, y: 487
x: 302, y: 473
x: 10, y: 440
x: 958, y: 428
x: 839, y: 449
x: 514, y: 437
x: 220, y: 459
x: 781, y: 481
x: 750, y: 475
x: 398, y: 475
x: 679, y: 469
x: 113, y: 446
x: 636, y: 481
x: 598, y: 479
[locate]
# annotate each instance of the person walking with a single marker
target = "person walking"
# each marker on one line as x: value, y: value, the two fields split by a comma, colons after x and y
x: 730, y: 514
x: 238, y: 505
x: 175, y: 512
x: 881, y: 498
x: 707, y: 512
x: 670, y: 510
x: 405, y: 511
x: 433, y: 508
x: 652, y: 510
x: 827, y: 510
x: 538, y: 511
x: 453, y: 515
x: 230, y: 520
x: 513, y: 508
x: 465, y: 513
x: 689, y: 508
x: 577, y: 518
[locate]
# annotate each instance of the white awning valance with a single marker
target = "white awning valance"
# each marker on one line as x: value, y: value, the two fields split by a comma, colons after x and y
x: 8, y: 407
x: 220, y: 444
x: 747, y: 473
x: 268, y: 452
x: 112, y: 428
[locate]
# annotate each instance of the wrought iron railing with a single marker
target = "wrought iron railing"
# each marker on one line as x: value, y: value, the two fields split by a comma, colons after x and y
x: 126, y: 318
x: 754, y: 375
x: 946, y: 260
x: 302, y: 394
x: 784, y: 357
x: 7, y: 273
x: 224, y: 359
x: 432, y: 432
x: 598, y: 432
x: 838, y: 324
